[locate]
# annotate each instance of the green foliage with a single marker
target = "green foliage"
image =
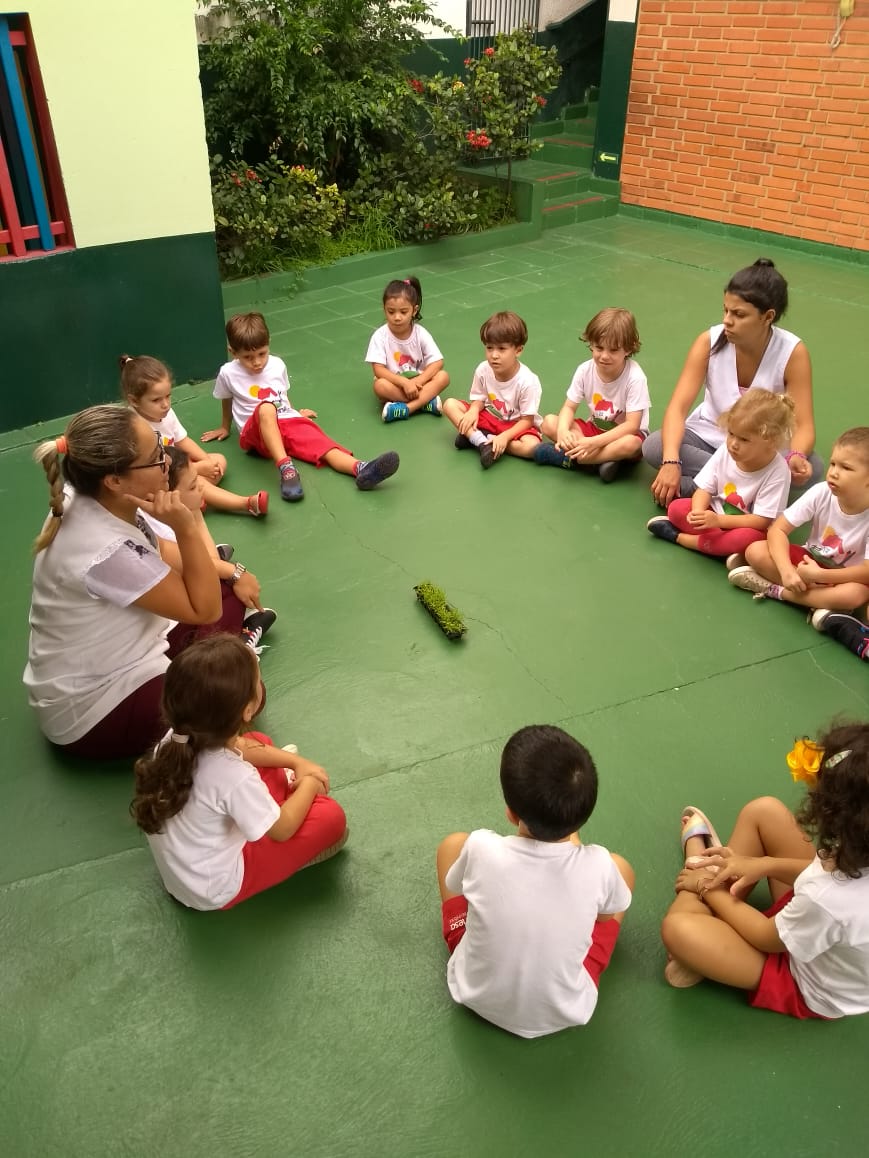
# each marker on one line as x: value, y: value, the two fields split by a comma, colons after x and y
x: 448, y: 619
x: 314, y: 82
x: 271, y: 215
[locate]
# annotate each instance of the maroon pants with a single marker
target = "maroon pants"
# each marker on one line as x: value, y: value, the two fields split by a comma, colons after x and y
x: 136, y: 724
x: 714, y: 541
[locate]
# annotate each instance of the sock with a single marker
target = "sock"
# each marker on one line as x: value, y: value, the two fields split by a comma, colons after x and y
x: 285, y: 462
x: 359, y: 465
x: 477, y: 439
x: 774, y: 591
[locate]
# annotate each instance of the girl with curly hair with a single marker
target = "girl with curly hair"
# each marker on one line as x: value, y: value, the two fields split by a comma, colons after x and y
x: 807, y: 955
x: 228, y: 815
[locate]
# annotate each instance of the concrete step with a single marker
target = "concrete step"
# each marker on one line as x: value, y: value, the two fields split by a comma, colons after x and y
x: 584, y: 205
x: 566, y: 150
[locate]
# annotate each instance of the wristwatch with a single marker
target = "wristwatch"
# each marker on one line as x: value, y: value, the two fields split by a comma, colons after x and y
x: 237, y: 573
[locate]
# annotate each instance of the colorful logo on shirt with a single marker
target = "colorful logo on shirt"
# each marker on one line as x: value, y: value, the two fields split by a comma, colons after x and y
x: 263, y: 393
x: 830, y: 552
x: 403, y: 361
x: 496, y: 407
x: 604, y: 413
x: 732, y: 501
x: 167, y: 440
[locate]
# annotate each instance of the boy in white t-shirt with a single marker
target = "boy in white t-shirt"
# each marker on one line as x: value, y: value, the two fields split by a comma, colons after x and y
x: 531, y: 920
x: 253, y: 389
x: 501, y: 415
x: 830, y: 573
x: 616, y: 393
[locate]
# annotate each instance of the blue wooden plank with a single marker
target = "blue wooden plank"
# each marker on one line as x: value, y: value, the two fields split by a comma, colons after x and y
x: 25, y: 141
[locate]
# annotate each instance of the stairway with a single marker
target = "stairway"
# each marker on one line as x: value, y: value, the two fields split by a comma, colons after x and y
x: 555, y: 184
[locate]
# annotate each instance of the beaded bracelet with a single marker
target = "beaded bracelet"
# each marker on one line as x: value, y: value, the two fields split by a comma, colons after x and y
x: 795, y: 453
x: 672, y: 462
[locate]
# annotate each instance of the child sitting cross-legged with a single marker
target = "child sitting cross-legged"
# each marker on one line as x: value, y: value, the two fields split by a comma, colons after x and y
x: 531, y: 920
x: 808, y: 954
x: 743, y: 486
x: 616, y: 392
x: 830, y: 573
x: 501, y: 415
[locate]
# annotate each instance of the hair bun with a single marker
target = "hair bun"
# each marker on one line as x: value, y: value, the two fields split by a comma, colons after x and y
x: 765, y: 262
x: 124, y: 359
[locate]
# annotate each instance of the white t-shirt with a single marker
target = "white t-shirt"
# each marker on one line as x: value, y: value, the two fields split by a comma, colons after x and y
x: 609, y: 403
x: 247, y: 391
x: 89, y: 646
x: 737, y: 492
x: 170, y: 429
x: 403, y: 355
x: 825, y: 929
x: 531, y: 909
x: 722, y: 382
x: 509, y: 401
x: 199, y: 851
x: 836, y: 539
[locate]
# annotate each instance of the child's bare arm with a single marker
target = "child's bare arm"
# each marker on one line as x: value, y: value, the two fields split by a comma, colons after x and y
x: 192, y: 449
x: 501, y: 441
x: 468, y: 421
x: 751, y: 925
x: 429, y: 372
x: 565, y: 435
x: 631, y: 425
x: 294, y: 810
x: 223, y: 430
x: 779, y: 551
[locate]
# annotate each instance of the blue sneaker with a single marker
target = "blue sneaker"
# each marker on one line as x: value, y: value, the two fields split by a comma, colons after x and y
x: 394, y: 412
x: 547, y: 454
x: 661, y: 527
x: 291, y: 484
x: 371, y: 474
x: 434, y: 406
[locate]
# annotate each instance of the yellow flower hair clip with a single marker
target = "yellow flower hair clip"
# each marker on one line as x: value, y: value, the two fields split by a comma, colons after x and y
x: 804, y: 760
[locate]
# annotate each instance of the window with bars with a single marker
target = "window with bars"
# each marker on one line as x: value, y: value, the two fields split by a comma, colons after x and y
x: 34, y: 218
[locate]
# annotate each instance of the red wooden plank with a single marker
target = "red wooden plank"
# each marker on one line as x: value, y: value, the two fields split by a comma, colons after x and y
x: 10, y: 209
x: 17, y: 39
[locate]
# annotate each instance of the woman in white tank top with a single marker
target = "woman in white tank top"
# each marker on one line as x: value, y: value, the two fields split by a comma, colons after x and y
x: 747, y: 351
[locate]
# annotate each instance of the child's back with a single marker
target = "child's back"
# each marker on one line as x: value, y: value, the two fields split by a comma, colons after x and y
x: 532, y: 906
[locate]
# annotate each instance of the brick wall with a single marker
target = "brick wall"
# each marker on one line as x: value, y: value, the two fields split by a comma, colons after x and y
x: 743, y: 113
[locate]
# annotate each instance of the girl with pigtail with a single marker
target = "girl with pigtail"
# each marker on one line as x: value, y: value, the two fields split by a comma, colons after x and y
x: 109, y: 598
x: 228, y: 815
x: 408, y: 367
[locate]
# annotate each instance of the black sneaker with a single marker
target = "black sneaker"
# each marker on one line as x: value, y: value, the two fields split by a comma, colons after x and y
x: 845, y: 629
x: 463, y: 442
x: 225, y: 551
x: 291, y: 484
x: 371, y: 474
x: 487, y: 456
x: 256, y: 625
x: 662, y: 528
x: 608, y: 471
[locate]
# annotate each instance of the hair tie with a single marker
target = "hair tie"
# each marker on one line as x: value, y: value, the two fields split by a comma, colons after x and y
x: 57, y: 514
x: 179, y: 738
x: 407, y: 281
x: 61, y: 445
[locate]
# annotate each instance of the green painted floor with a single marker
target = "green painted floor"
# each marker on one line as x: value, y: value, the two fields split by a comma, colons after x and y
x: 314, y: 1020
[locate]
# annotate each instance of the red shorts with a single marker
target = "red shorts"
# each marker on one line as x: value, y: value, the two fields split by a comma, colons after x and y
x: 302, y: 438
x: 777, y: 989
x: 604, y: 935
x: 489, y: 424
x: 589, y: 429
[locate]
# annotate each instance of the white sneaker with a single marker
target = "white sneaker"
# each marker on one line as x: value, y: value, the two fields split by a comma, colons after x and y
x: 747, y: 579
x: 733, y: 561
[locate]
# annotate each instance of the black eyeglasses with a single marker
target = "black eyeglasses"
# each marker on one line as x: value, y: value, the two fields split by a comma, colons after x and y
x: 159, y: 461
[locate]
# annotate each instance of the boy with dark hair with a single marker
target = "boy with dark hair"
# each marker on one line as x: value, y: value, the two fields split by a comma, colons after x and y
x: 253, y: 390
x: 531, y: 920
x: 502, y: 414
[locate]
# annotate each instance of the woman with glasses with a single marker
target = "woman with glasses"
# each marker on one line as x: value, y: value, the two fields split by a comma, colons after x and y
x: 106, y: 603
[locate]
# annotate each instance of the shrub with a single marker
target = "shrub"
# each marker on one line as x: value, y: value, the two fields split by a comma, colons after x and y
x: 270, y: 215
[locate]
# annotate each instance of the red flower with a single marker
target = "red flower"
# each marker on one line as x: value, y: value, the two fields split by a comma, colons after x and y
x: 488, y: 52
x: 235, y: 178
x: 541, y: 101
x: 416, y: 85
x: 251, y: 176
x: 468, y: 60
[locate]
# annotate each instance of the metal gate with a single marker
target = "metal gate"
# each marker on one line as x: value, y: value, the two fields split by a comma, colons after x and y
x: 486, y: 18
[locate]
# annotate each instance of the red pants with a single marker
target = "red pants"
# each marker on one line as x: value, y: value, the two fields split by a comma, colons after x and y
x: 267, y: 862
x: 489, y: 424
x: 777, y: 990
x: 713, y: 541
x: 302, y: 438
x: 135, y: 725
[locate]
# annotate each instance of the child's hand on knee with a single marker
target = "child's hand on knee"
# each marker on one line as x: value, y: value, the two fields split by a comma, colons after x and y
x: 809, y: 573
x: 467, y: 423
x: 793, y: 579
x: 305, y: 768
x: 499, y: 444
x: 703, y: 520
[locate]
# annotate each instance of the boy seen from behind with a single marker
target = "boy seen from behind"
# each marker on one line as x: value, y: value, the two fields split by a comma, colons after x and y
x: 531, y: 920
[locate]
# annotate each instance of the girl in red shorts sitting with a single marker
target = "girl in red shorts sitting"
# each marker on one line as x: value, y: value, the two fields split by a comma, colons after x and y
x: 807, y: 955
x: 505, y: 395
x: 228, y: 815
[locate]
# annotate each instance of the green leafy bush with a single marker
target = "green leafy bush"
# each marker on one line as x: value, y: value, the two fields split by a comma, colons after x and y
x: 267, y: 216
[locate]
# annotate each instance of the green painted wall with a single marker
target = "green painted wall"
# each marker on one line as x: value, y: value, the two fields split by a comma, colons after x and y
x: 613, y: 107
x: 65, y: 319
x: 122, y: 82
